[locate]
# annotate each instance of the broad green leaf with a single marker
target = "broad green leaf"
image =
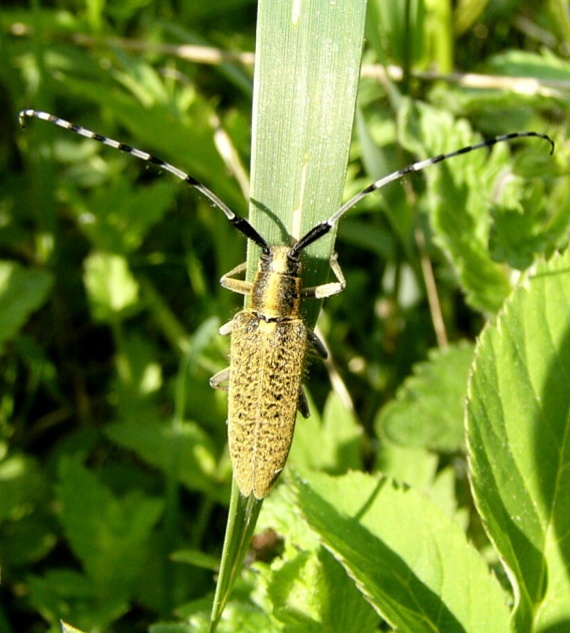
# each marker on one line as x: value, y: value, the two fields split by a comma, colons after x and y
x: 338, y: 436
x: 313, y: 593
x: 22, y: 291
x: 429, y: 407
x: 157, y: 444
x: 416, y: 467
x: 120, y: 216
x: 239, y: 615
x: 279, y: 515
x: 516, y: 63
x: 519, y: 232
x: 112, y: 289
x: 63, y: 593
x: 106, y: 533
x: 411, y: 561
x: 518, y: 429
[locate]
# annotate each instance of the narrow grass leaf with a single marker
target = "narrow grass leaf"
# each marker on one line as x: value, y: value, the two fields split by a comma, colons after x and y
x: 306, y: 78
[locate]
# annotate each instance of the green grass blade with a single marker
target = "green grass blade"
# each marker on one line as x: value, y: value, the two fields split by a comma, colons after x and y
x: 306, y: 79
x: 242, y: 518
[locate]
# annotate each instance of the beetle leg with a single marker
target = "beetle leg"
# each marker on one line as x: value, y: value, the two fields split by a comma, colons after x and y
x: 217, y: 381
x: 333, y: 288
x: 303, y: 405
x: 240, y: 286
x: 317, y: 345
x: 226, y: 328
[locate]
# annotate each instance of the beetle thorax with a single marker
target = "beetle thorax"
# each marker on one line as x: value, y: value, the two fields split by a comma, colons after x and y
x: 276, y: 293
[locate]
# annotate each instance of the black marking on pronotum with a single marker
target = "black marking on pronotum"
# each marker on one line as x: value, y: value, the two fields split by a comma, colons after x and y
x: 270, y: 341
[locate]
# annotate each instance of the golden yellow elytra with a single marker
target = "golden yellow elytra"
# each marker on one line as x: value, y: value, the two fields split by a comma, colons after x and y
x: 269, y: 345
x: 269, y: 340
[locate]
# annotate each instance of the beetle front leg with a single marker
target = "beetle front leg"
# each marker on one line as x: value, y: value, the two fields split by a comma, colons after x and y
x: 328, y: 290
x: 240, y: 286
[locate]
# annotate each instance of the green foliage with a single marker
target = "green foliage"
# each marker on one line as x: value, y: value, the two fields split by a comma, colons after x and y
x: 22, y: 292
x: 114, y: 473
x: 517, y: 429
x: 428, y: 579
x: 416, y: 417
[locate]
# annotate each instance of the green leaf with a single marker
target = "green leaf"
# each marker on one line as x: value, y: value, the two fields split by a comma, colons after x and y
x: 338, y: 435
x: 196, y: 558
x: 139, y: 378
x: 312, y: 592
x: 279, y: 514
x: 64, y: 593
x: 416, y: 467
x: 22, y: 485
x: 307, y: 57
x: 241, y: 616
x: 106, y: 533
x: 429, y: 407
x: 171, y: 628
x: 411, y: 561
x: 120, y: 216
x: 397, y: 30
x: 516, y: 63
x: 156, y: 444
x: 112, y: 289
x: 22, y: 291
x: 459, y: 195
x: 242, y: 518
x: 523, y: 226
x: 26, y: 529
x: 518, y: 429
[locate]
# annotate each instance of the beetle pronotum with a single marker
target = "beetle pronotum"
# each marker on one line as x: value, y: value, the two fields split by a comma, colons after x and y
x: 269, y: 340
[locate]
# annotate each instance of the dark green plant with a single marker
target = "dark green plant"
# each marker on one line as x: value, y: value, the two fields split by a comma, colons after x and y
x: 114, y: 477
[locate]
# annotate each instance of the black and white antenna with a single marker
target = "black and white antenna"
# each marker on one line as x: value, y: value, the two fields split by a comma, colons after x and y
x: 324, y: 227
x: 241, y: 223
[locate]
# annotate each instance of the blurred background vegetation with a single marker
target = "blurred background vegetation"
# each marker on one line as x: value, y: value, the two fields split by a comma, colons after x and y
x: 112, y: 445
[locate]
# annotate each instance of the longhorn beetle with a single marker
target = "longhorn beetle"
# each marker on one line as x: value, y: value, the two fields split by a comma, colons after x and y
x: 269, y: 340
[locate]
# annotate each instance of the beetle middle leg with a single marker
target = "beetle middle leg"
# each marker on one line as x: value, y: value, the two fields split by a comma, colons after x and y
x: 220, y: 380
